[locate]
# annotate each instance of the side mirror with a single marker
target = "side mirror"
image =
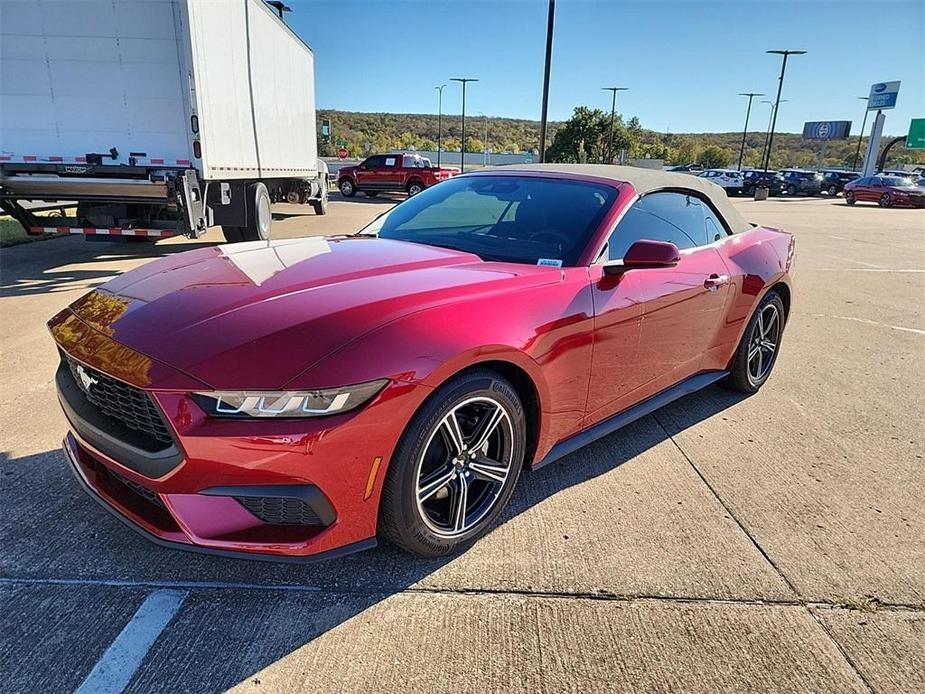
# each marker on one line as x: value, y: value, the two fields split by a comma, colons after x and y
x: 645, y: 254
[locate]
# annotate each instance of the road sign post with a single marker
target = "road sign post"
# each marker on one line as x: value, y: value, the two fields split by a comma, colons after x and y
x: 873, y: 145
x: 882, y: 97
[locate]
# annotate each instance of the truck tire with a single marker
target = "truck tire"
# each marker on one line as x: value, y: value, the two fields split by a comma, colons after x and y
x: 371, y: 193
x: 414, y: 188
x: 321, y: 206
x: 347, y: 188
x: 233, y: 234
x: 259, y: 214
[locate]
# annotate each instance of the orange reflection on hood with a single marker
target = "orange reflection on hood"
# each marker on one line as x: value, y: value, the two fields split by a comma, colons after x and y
x: 97, y: 350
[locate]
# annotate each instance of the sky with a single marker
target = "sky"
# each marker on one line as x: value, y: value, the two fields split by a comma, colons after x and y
x: 684, y: 62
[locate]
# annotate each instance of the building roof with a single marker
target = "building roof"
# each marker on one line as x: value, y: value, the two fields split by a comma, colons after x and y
x: 648, y: 181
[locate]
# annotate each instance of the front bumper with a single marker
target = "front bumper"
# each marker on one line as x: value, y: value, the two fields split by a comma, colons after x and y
x: 282, y: 489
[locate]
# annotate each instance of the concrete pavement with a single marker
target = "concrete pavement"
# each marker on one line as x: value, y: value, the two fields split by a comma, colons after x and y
x: 774, y: 543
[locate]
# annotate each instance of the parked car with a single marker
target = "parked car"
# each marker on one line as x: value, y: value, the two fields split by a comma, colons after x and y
x: 833, y: 180
x: 756, y: 178
x: 801, y: 182
x: 408, y: 173
x: 687, y: 168
x: 887, y: 191
x: 901, y: 173
x: 298, y: 398
x: 728, y: 179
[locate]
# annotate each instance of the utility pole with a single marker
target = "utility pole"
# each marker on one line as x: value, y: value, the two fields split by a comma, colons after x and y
x: 767, y: 134
x: 613, y: 112
x: 748, y: 111
x: 462, y: 150
x: 549, y: 26
x: 857, y: 152
x: 439, y: 120
x: 780, y: 87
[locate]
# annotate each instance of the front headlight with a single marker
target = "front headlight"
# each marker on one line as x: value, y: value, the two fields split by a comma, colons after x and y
x: 287, y: 403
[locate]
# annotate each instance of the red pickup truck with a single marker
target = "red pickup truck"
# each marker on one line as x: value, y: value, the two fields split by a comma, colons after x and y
x: 409, y: 173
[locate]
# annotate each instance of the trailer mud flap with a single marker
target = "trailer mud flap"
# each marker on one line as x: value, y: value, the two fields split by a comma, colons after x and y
x: 196, y: 211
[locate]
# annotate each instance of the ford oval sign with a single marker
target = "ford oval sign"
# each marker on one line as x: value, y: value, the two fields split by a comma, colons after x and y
x: 883, y: 96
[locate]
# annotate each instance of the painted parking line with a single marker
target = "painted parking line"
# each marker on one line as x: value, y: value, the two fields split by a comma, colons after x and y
x: 115, y: 669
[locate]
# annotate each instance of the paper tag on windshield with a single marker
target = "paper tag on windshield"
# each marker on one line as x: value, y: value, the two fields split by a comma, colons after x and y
x: 549, y: 262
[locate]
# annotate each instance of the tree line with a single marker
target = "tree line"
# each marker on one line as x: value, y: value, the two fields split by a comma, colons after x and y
x: 585, y: 137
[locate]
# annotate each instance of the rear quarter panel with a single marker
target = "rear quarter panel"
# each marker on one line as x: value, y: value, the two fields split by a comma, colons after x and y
x: 757, y: 260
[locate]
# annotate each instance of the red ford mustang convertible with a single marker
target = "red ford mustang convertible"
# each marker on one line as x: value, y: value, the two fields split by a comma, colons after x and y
x: 298, y: 399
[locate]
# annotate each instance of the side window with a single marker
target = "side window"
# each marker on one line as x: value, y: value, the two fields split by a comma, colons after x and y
x: 390, y: 161
x: 374, y: 162
x: 672, y: 217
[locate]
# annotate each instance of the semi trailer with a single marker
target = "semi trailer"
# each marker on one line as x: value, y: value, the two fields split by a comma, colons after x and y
x: 152, y: 118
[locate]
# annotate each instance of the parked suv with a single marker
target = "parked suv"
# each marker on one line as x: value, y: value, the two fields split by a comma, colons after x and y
x: 833, y: 181
x: 729, y: 179
x: 801, y: 182
x: 755, y: 178
x: 409, y: 173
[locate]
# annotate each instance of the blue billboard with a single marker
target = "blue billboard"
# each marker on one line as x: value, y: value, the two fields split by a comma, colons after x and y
x: 883, y: 96
x: 827, y: 130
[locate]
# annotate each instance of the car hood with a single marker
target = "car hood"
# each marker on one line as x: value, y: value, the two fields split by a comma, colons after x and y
x: 256, y: 314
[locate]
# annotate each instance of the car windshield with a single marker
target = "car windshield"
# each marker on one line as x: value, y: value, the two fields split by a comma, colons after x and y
x: 520, y: 219
x: 898, y: 182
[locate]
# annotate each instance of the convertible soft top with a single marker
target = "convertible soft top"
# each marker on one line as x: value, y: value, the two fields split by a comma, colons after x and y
x: 649, y: 180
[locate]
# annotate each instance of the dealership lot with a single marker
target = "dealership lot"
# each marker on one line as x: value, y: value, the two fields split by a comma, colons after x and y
x: 771, y: 543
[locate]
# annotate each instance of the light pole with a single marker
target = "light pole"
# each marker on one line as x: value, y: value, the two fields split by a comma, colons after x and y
x: 770, y: 116
x: 485, y: 141
x: 748, y: 111
x: 780, y: 87
x: 550, y: 20
x: 613, y: 112
x: 439, y: 120
x: 857, y: 154
x: 462, y: 150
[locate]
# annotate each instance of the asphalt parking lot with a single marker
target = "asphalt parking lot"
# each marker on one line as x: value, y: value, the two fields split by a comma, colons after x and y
x: 774, y: 543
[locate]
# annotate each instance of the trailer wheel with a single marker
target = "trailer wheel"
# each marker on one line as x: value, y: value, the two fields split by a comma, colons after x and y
x: 259, y: 214
x: 233, y: 234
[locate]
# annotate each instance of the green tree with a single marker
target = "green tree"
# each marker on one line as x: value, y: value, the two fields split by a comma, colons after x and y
x: 715, y: 157
x: 581, y: 136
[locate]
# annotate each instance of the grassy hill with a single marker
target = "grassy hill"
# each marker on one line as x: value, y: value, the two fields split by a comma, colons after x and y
x: 388, y: 131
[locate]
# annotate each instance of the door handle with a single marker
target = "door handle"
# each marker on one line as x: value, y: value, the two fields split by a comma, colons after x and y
x: 714, y: 281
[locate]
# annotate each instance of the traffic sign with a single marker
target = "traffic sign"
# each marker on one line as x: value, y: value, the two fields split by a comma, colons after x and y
x: 342, y: 153
x: 883, y: 96
x: 916, y: 137
x: 325, y: 130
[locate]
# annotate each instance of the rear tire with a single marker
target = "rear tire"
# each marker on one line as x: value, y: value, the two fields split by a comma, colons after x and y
x: 233, y: 234
x: 757, y: 352
x: 321, y: 206
x: 886, y: 200
x: 414, y: 188
x: 833, y: 191
x: 849, y: 197
x: 259, y: 214
x: 427, y: 457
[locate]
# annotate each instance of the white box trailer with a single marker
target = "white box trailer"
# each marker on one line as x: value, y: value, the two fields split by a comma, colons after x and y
x: 157, y: 117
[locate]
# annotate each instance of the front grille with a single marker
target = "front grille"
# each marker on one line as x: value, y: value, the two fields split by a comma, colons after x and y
x: 143, y: 492
x: 130, y: 406
x: 279, y: 510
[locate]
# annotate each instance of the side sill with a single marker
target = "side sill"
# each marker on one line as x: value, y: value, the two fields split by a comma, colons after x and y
x: 627, y: 416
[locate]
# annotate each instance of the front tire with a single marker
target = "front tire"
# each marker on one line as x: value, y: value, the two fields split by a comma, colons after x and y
x: 849, y: 197
x: 833, y: 191
x: 347, y: 188
x: 757, y: 352
x: 455, y: 467
x: 791, y: 190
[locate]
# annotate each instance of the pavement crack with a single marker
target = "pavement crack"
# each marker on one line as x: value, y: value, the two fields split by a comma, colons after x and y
x: 799, y: 601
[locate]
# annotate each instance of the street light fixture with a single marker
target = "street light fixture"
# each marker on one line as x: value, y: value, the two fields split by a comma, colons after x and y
x: 462, y: 150
x: 857, y: 154
x: 613, y: 111
x: 780, y: 86
x: 770, y: 116
x: 439, y: 120
x: 748, y: 111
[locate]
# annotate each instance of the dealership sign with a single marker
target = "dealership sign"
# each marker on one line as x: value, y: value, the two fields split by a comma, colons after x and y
x: 826, y: 130
x: 916, y: 137
x: 883, y: 96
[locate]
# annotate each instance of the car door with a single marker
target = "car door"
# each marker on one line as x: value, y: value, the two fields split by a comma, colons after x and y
x: 652, y: 326
x: 391, y: 174
x: 367, y: 173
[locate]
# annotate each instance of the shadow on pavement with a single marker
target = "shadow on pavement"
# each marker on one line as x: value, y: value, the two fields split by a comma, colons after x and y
x: 53, y: 531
